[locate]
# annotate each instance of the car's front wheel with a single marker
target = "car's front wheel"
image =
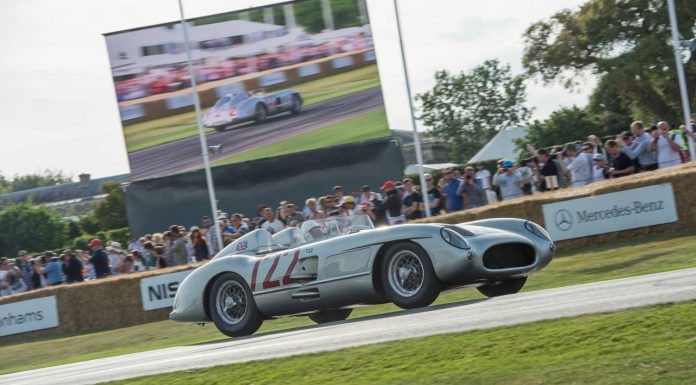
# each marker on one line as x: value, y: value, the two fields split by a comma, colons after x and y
x: 334, y: 315
x: 408, y: 276
x: 232, y: 306
x: 296, y: 105
x: 504, y: 287
x: 260, y: 114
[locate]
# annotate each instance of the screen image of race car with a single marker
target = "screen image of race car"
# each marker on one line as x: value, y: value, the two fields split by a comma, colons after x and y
x: 274, y: 80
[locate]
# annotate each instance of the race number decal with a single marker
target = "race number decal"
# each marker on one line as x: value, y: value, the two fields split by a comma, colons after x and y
x: 268, y: 281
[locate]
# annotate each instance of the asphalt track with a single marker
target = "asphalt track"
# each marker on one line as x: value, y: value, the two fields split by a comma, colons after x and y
x: 533, y: 306
x: 185, y: 154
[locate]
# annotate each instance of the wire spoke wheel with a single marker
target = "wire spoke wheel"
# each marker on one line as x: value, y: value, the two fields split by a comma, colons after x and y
x: 231, y: 302
x: 406, y: 273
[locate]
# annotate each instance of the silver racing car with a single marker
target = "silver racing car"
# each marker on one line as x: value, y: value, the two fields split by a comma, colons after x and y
x: 325, y: 266
x: 246, y: 107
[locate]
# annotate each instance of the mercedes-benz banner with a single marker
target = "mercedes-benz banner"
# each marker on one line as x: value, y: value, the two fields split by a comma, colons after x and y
x: 601, y: 214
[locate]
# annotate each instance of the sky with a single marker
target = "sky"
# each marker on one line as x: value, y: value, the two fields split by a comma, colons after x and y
x: 57, y: 103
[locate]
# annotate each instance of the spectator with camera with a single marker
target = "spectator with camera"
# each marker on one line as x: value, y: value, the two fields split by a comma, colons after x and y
x: 508, y: 181
x: 53, y: 268
x: 473, y: 195
x: 666, y: 146
x: 450, y: 188
x: 621, y: 164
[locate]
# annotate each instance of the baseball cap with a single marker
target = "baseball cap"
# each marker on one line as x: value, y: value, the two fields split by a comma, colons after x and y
x: 597, y: 157
x: 388, y: 184
x: 507, y: 163
x: 348, y: 199
x: 95, y: 242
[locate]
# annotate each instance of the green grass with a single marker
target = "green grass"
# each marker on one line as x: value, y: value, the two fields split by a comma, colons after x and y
x: 148, y: 134
x: 649, y: 254
x: 652, y: 345
x: 362, y: 127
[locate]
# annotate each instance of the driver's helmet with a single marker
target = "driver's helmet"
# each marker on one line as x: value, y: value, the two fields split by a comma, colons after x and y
x: 311, y: 230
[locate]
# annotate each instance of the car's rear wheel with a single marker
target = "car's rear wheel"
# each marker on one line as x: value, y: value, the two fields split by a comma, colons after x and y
x: 220, y: 128
x: 232, y: 306
x: 260, y: 113
x: 408, y: 276
x: 334, y: 315
x: 296, y: 105
x: 504, y: 287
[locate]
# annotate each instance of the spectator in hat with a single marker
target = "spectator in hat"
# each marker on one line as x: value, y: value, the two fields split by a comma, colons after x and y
x: 99, y: 259
x: 116, y: 258
x: 508, y: 181
x: 598, y: 168
x: 292, y: 216
x: 621, y: 164
x: 450, y: 188
x: 390, y: 207
x: 347, y: 206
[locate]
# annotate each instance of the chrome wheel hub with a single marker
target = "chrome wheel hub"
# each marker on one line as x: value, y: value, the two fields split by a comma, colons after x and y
x: 406, y: 273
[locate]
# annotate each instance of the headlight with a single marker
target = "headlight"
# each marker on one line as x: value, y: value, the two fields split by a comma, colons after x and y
x: 453, y: 238
x: 537, y: 230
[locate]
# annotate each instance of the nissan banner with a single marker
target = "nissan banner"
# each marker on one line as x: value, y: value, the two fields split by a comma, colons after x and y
x: 606, y: 213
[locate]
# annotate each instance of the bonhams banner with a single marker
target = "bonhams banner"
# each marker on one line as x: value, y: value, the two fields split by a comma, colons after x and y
x: 629, y: 209
x: 29, y: 315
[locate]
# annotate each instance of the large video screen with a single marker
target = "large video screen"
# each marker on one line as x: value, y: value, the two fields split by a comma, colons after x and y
x: 273, y: 80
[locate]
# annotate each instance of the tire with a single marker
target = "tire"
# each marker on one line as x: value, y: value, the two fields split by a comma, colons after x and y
x: 408, y: 277
x: 220, y: 129
x: 504, y: 287
x: 260, y: 113
x: 296, y: 105
x: 323, y: 317
x: 245, y: 318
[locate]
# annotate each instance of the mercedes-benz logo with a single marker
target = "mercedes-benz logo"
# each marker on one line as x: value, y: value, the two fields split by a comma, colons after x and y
x: 564, y: 220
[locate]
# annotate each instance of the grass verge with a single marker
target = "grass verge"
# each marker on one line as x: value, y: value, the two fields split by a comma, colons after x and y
x: 652, y: 345
x: 650, y: 254
x: 140, y: 136
x: 362, y: 127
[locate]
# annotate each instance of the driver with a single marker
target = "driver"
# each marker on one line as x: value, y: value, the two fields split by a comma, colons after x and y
x: 311, y: 230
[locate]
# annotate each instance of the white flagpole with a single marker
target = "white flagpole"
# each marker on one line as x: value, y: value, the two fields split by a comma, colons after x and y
x: 680, y: 75
x: 416, y: 136
x: 201, y: 133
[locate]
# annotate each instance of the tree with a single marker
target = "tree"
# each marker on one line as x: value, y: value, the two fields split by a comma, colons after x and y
x: 110, y: 212
x: 46, y: 178
x: 466, y: 110
x: 35, y: 228
x: 625, y: 42
x: 563, y: 126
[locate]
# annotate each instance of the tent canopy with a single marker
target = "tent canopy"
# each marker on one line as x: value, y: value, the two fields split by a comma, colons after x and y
x: 502, y: 146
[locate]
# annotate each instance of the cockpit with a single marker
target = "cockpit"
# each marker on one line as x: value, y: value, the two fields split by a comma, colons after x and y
x: 260, y: 241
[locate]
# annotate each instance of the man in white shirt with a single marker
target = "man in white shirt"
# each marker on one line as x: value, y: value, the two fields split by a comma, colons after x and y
x: 667, y: 146
x: 272, y: 224
x: 484, y: 176
x: 578, y: 165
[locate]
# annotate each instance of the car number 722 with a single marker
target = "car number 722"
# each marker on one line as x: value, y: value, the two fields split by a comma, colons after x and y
x: 268, y: 282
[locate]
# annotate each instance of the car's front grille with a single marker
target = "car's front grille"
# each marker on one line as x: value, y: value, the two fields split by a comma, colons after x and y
x: 508, y: 255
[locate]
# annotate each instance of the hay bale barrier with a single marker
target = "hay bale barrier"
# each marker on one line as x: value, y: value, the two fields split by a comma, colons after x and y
x: 682, y: 178
x: 116, y: 302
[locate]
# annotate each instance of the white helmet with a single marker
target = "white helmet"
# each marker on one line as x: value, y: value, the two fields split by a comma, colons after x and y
x: 311, y: 230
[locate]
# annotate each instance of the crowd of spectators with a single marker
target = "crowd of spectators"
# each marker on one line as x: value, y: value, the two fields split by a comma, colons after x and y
x: 576, y: 164
x: 174, y: 77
